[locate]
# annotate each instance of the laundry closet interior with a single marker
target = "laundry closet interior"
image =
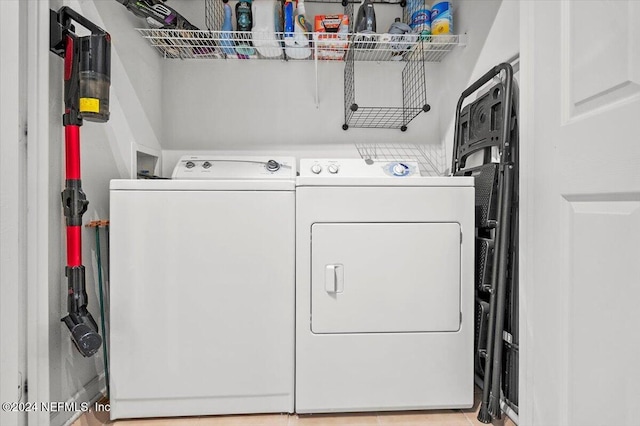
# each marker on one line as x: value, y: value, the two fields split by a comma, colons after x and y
x: 318, y: 211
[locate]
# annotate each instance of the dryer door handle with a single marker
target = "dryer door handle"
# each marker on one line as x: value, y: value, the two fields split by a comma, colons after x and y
x: 334, y: 278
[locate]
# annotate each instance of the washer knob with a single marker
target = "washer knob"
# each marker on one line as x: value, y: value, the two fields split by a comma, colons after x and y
x: 316, y: 168
x: 206, y: 165
x: 273, y: 165
x: 333, y: 168
x: 190, y: 164
x: 400, y: 170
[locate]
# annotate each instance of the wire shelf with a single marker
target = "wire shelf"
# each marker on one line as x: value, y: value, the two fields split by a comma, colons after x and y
x: 214, y: 11
x: 400, y: 2
x: 430, y: 158
x: 411, y: 49
x: 194, y: 44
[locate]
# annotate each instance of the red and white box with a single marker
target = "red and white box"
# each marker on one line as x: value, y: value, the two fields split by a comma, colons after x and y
x: 331, y: 36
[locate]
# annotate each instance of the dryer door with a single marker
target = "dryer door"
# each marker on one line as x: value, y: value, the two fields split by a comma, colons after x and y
x: 385, y: 277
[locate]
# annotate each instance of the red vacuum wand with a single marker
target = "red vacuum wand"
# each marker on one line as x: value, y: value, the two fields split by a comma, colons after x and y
x: 87, y: 62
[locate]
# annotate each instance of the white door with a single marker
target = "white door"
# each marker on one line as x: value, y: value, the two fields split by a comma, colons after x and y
x: 581, y: 212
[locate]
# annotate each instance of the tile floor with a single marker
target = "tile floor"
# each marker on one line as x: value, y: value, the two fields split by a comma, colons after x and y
x: 465, y: 417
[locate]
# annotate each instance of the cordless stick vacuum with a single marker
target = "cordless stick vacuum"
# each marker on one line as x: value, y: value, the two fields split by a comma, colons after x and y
x: 158, y: 14
x: 87, y: 62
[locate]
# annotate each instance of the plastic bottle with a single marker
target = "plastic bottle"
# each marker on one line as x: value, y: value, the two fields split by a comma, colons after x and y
x: 244, y: 20
x: 301, y: 12
x: 419, y: 17
x: 366, y: 24
x: 297, y: 47
x: 442, y: 18
x: 266, y: 21
x: 227, y: 27
x: 289, y: 12
x: 366, y: 20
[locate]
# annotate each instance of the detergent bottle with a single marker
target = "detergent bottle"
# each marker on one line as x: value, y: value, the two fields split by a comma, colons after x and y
x: 244, y: 23
x: 244, y: 19
x: 266, y: 21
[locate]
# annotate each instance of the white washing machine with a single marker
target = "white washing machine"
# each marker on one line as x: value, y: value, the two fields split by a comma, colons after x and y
x: 202, y: 289
x: 384, y: 288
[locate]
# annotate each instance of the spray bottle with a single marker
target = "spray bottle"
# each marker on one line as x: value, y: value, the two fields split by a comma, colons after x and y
x: 366, y: 25
x: 366, y: 19
x: 297, y: 47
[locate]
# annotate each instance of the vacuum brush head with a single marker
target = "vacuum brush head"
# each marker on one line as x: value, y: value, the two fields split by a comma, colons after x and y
x: 86, y: 339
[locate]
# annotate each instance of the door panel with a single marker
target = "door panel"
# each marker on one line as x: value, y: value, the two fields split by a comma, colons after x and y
x: 603, y: 297
x: 601, y: 70
x: 385, y: 277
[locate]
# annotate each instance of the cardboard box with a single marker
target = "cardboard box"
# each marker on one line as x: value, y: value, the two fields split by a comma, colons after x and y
x: 331, y: 36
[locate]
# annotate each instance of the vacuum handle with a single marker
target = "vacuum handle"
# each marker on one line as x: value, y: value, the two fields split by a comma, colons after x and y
x: 65, y: 14
x: 60, y: 27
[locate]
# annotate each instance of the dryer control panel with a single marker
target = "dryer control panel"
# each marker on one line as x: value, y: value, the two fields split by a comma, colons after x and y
x: 355, y: 167
x: 230, y: 167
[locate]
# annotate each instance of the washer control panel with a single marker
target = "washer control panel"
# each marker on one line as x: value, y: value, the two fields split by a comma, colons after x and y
x: 223, y: 167
x: 352, y: 167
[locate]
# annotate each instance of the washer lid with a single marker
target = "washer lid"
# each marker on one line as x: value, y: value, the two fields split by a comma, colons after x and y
x: 194, y: 167
x: 202, y: 185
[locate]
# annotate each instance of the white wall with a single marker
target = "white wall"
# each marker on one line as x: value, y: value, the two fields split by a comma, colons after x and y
x: 234, y: 104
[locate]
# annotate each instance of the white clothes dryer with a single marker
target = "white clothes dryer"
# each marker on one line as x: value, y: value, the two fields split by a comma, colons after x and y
x: 384, y: 288
x: 202, y: 289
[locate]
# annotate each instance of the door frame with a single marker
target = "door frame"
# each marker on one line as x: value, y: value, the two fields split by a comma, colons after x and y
x: 37, y: 241
x: 526, y: 206
x: 13, y: 159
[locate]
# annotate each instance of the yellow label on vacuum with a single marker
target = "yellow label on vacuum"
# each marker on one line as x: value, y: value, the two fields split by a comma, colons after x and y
x: 89, y: 105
